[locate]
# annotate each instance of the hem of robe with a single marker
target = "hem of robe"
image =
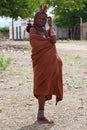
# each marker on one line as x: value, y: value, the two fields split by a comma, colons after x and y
x: 49, y: 97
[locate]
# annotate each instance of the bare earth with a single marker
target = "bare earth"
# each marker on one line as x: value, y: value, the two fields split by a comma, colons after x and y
x: 18, y: 106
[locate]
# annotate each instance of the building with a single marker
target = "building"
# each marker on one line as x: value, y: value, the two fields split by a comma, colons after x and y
x: 83, y: 31
x: 20, y: 33
x: 19, y: 30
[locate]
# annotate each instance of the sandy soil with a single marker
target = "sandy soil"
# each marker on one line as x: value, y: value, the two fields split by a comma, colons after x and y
x: 18, y: 106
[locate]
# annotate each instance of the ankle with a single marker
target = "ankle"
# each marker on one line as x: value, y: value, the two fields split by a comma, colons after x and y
x: 40, y: 114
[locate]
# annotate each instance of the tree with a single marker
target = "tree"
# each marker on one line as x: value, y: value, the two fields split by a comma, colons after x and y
x: 22, y: 8
x: 67, y: 13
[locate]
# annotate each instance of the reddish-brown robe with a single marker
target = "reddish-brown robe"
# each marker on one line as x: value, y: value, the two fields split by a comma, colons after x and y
x: 47, y: 66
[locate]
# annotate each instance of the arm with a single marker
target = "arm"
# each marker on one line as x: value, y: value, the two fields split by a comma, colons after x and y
x: 51, y: 31
x: 37, y: 40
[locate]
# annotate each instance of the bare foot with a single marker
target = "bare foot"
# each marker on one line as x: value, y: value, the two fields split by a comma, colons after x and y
x: 44, y: 121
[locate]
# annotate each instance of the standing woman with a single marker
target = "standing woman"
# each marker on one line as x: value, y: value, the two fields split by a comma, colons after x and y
x: 47, y: 65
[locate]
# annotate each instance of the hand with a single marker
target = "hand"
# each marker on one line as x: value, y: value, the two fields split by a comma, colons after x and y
x: 52, y: 31
x: 49, y: 19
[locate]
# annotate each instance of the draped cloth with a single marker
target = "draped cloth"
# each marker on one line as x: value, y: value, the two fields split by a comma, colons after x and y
x: 47, y: 68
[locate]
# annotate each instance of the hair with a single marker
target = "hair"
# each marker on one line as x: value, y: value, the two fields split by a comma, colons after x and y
x: 29, y: 25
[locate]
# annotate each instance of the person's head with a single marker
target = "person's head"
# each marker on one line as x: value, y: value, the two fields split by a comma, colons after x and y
x: 40, y: 17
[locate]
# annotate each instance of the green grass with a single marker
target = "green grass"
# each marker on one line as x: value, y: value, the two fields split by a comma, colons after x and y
x: 75, y: 60
x: 4, y: 62
x: 3, y: 29
x: 19, y: 69
x: 25, y: 74
x: 73, y: 71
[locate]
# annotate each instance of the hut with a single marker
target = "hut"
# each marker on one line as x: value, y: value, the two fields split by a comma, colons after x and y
x: 19, y: 30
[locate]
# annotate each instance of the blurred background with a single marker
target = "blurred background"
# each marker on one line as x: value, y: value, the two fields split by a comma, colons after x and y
x: 69, y: 17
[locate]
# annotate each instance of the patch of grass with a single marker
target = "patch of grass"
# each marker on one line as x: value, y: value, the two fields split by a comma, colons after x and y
x: 73, y: 68
x: 24, y: 73
x: 4, y: 31
x: 19, y: 69
x: 4, y: 62
x: 72, y: 59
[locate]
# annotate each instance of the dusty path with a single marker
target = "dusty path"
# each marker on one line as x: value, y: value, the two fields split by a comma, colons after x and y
x: 18, y: 107
x: 75, y: 48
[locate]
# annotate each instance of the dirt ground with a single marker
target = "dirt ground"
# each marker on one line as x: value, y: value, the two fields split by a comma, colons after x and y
x: 18, y: 106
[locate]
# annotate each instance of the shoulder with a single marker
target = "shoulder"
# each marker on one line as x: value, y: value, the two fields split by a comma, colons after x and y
x: 32, y: 31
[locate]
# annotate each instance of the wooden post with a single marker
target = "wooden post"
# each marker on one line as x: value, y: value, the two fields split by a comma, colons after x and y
x: 12, y: 29
x: 81, y: 30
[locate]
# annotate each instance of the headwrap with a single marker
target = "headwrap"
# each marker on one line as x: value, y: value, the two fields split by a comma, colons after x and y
x: 42, y: 11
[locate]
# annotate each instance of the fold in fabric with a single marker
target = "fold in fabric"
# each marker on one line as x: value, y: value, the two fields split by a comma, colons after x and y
x: 47, y: 67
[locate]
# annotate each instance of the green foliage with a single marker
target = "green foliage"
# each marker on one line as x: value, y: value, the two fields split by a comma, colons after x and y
x: 22, y: 8
x: 14, y: 8
x: 69, y: 18
x: 67, y: 4
x: 4, y: 62
x: 68, y: 12
x: 4, y: 29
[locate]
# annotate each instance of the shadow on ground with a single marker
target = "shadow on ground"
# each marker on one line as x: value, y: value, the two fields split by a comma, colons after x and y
x: 37, y: 126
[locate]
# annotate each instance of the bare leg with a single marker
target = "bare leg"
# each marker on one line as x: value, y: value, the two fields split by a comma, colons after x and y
x: 41, y: 102
x: 41, y: 118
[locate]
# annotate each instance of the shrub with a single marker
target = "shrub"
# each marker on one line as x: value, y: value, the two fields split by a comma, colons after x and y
x: 4, y: 31
x: 4, y: 62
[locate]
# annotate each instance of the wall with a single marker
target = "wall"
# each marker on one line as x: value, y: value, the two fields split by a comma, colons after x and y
x: 21, y: 33
x: 19, y: 30
x: 83, y: 31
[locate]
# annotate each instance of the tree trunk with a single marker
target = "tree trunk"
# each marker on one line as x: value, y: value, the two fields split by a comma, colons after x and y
x: 74, y: 33
x: 12, y: 29
x: 71, y: 33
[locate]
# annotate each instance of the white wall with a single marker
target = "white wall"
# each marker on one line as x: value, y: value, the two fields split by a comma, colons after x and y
x: 17, y: 24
